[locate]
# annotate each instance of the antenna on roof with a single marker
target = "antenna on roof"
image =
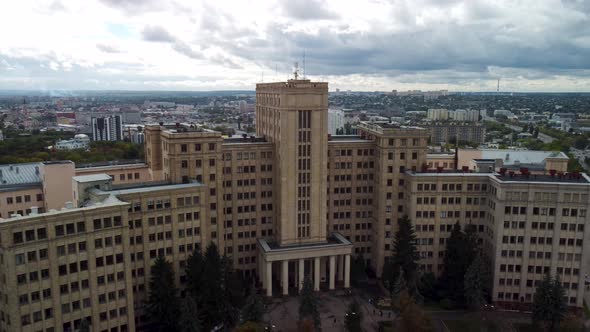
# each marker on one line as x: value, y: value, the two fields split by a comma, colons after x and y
x: 303, y: 63
x: 296, y: 71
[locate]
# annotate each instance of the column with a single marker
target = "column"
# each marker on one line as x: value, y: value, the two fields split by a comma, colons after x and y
x: 332, y: 271
x: 262, y: 271
x: 340, y: 268
x: 316, y: 274
x: 347, y: 271
x: 268, y: 279
x: 285, y: 278
x: 301, y: 272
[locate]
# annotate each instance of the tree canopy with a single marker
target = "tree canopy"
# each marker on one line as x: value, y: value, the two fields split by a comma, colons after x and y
x: 163, y: 304
x: 549, y: 304
x: 308, y: 303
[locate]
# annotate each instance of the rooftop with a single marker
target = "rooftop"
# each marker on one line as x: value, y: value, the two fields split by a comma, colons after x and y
x: 566, y: 178
x: 147, y: 187
x: 346, y: 138
x: 91, y: 178
x: 515, y: 157
x: 19, y: 175
x: 334, y: 240
x: 249, y: 139
x: 557, y: 178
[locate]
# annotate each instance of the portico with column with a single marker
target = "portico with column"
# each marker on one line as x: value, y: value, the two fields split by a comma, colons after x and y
x: 307, y: 261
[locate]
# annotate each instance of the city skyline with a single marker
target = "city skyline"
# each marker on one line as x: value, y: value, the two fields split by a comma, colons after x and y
x: 377, y: 45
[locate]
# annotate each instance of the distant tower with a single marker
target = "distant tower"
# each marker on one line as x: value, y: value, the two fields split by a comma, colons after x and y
x: 498, y: 87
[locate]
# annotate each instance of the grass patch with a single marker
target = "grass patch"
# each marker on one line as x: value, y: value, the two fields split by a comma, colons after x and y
x: 470, y: 325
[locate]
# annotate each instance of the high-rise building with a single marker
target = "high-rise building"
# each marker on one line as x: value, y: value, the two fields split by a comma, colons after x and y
x: 109, y: 128
x: 335, y: 121
x: 288, y: 203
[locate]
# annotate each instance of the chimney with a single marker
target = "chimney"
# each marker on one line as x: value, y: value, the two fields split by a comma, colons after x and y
x: 37, y: 170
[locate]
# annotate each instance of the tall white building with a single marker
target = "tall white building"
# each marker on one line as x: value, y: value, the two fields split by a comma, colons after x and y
x: 438, y: 114
x: 335, y: 121
x: 109, y: 128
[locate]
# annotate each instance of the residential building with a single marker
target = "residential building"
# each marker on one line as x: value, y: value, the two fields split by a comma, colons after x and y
x: 449, y: 132
x: 335, y: 121
x: 108, y: 128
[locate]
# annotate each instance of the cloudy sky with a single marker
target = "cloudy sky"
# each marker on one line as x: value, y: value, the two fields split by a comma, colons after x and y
x: 536, y: 45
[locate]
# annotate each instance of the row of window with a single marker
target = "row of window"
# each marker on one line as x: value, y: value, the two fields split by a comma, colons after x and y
x: 21, y: 199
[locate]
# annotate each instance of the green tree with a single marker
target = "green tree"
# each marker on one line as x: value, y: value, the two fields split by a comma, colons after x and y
x: 253, y: 310
x: 456, y: 262
x: 474, y: 284
x: 358, y: 273
x: 427, y: 285
x: 194, y: 273
x: 549, y: 305
x: 233, y: 292
x: 405, y: 254
x: 84, y: 326
x: 308, y: 303
x: 190, y: 320
x: 212, y: 291
x: 163, y: 306
x: 354, y: 317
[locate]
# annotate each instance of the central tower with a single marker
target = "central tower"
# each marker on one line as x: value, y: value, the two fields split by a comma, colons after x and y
x: 294, y: 116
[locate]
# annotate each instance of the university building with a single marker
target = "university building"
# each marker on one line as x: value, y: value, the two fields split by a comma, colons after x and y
x: 288, y: 203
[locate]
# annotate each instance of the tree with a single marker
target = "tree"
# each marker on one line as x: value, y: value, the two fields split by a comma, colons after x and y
x: 189, y: 316
x: 405, y: 254
x: 250, y: 327
x: 308, y: 303
x: 163, y: 306
x: 84, y: 326
x: 412, y: 318
x: 427, y: 285
x: 474, y: 284
x: 460, y: 250
x: 354, y: 317
x: 254, y: 308
x: 233, y: 292
x: 194, y: 273
x: 358, y: 273
x: 549, y: 305
x: 212, y: 291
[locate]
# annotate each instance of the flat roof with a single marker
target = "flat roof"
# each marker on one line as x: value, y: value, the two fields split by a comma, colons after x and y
x: 569, y: 178
x: 334, y: 240
x: 91, y: 178
x: 148, y: 188
x: 510, y: 157
x: 347, y: 138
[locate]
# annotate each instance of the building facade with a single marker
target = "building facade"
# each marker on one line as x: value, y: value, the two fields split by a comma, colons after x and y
x: 448, y: 132
x: 289, y: 203
x: 109, y: 128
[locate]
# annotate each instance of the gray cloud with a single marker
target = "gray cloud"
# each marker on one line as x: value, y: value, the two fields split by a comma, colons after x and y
x: 133, y: 7
x: 186, y: 50
x: 307, y: 10
x: 156, y: 33
x: 108, y: 48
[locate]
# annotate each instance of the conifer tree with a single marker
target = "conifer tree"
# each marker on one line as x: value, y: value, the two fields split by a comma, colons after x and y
x: 308, y: 303
x: 163, y: 305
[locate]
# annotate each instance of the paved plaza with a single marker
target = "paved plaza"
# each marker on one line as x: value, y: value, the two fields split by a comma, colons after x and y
x: 283, y: 312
